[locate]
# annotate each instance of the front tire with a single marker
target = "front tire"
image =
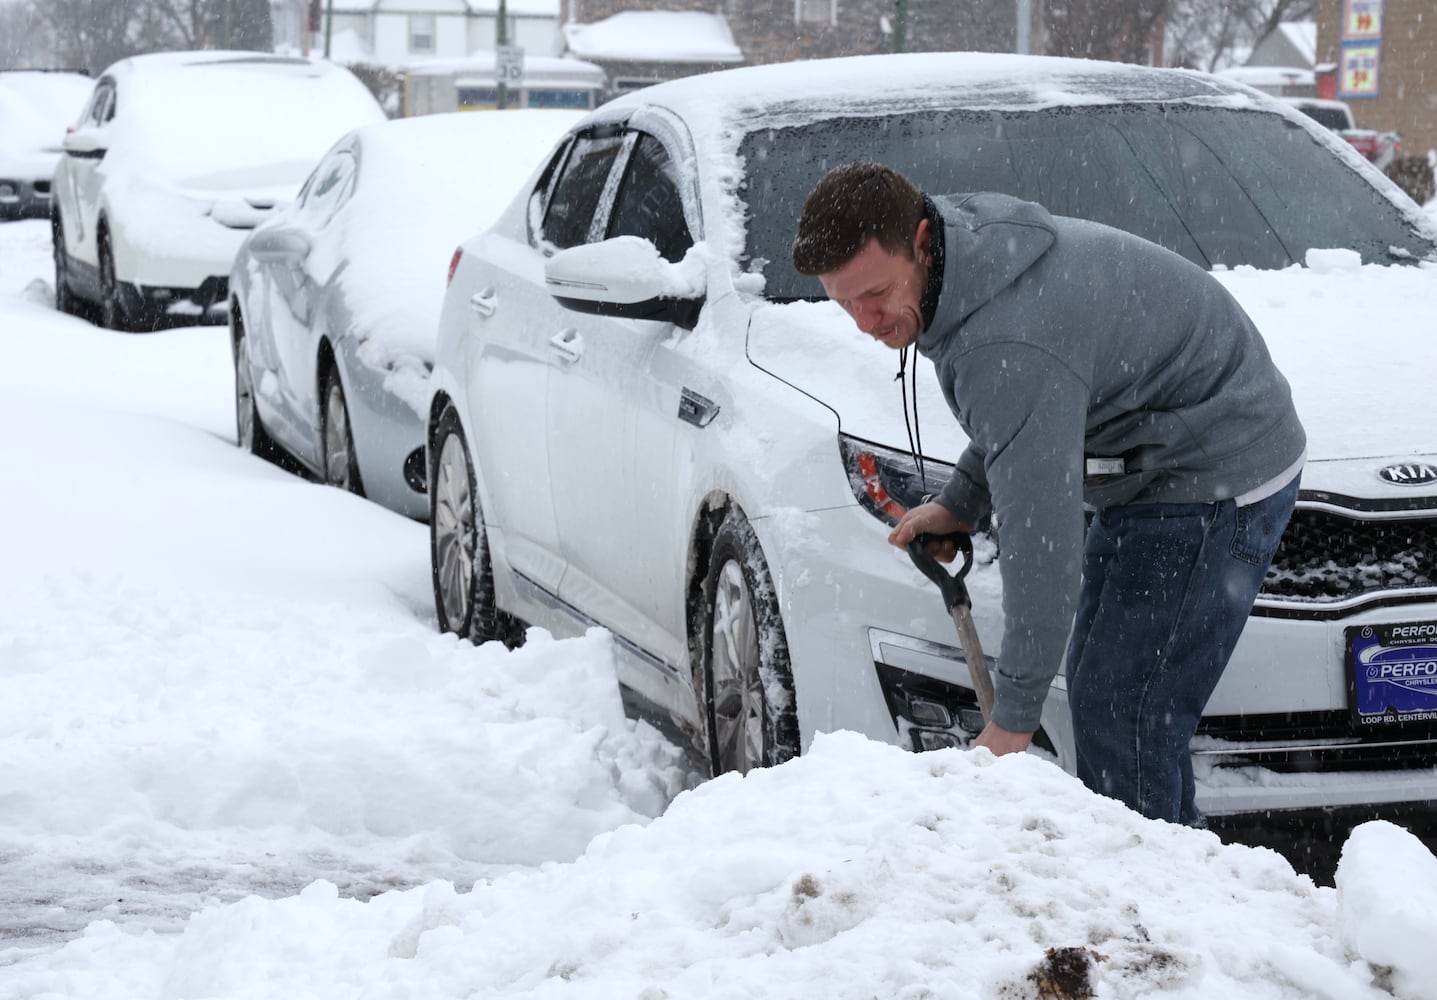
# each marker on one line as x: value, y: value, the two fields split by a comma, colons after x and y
x: 341, y: 467
x: 65, y: 302
x: 460, y: 567
x: 749, y: 699
x: 112, y: 309
x: 250, y: 434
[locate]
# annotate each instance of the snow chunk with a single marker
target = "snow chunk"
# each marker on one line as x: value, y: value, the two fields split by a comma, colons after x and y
x: 1333, y: 260
x: 1387, y: 906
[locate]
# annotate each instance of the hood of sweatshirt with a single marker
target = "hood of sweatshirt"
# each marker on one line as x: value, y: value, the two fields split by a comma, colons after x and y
x: 989, y: 240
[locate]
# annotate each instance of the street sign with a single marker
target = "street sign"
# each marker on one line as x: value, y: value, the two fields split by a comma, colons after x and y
x: 509, y: 65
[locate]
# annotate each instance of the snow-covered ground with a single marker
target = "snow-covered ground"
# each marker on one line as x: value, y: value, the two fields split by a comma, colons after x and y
x: 237, y: 761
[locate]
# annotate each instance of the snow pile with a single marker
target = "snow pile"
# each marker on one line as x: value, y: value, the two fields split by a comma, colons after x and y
x: 858, y: 870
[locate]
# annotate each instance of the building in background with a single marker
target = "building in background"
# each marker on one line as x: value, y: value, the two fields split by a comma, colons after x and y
x: 703, y: 35
x: 636, y: 48
x: 471, y: 85
x: 1291, y: 44
x: 1380, y: 56
x: 431, y: 56
x: 1282, y: 63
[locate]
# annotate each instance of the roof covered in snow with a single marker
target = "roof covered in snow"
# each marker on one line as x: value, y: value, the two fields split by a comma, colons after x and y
x: 1302, y: 36
x: 655, y: 36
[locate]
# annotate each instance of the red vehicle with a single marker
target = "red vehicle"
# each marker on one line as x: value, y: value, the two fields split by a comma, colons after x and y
x: 1379, y: 147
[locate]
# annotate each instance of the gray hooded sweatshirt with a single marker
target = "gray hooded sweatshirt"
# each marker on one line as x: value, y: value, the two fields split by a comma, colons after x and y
x: 1058, y: 340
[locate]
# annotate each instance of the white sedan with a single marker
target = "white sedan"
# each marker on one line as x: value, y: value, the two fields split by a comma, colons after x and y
x: 174, y: 159
x: 334, y: 299
x: 645, y: 419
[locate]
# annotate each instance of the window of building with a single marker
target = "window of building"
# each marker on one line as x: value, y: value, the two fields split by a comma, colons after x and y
x: 815, y: 11
x: 629, y: 84
x: 421, y: 32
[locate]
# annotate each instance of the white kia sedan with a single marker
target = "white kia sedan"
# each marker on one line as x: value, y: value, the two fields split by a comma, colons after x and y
x: 174, y: 159
x: 645, y: 419
x: 334, y: 299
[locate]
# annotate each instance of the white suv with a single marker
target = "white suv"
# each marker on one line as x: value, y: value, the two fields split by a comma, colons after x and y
x: 175, y: 158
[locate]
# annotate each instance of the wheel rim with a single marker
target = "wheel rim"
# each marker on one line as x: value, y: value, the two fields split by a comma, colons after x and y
x: 737, y: 682
x: 337, y: 460
x: 244, y: 396
x: 452, y: 523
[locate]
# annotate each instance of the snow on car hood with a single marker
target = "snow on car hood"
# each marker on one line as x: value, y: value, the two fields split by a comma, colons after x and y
x: 1354, y: 341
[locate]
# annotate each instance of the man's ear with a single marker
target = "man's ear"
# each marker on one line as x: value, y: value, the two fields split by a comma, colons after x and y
x: 920, y: 239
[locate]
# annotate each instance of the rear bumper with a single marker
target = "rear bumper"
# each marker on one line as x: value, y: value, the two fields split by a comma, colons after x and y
x: 207, y: 303
x: 24, y: 198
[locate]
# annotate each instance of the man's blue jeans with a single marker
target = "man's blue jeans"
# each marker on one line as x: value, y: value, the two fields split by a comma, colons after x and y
x: 1166, y: 591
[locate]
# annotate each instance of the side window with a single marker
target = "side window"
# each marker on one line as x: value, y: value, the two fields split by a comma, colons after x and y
x: 579, y: 190
x: 539, y: 197
x: 649, y: 204
x: 327, y: 188
x: 102, y: 104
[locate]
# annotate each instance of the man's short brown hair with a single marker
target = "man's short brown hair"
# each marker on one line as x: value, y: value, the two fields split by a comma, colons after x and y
x: 850, y: 205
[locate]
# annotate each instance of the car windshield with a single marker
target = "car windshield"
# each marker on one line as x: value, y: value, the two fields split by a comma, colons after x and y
x: 217, y: 125
x: 1221, y: 186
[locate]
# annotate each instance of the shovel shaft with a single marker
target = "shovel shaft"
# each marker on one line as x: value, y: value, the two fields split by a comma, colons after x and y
x: 973, y: 654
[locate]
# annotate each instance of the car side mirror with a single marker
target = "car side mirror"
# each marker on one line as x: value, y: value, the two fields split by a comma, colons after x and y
x: 281, y: 246
x: 627, y: 277
x: 85, y: 143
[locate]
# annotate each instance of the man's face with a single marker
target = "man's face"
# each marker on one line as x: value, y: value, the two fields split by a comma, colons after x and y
x: 883, y: 292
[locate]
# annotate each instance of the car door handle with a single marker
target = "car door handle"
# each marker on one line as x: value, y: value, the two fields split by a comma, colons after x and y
x: 484, y: 303
x: 568, y: 346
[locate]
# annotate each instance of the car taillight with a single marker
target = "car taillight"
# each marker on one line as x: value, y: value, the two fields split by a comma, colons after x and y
x: 453, y: 265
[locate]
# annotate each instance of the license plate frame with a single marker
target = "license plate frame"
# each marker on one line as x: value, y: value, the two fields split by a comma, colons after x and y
x: 1392, y: 677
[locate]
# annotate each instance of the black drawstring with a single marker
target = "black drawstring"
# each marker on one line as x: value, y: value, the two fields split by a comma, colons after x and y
x: 915, y: 432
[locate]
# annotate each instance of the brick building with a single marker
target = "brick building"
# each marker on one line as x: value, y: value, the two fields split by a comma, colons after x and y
x: 768, y: 31
x: 1381, y: 57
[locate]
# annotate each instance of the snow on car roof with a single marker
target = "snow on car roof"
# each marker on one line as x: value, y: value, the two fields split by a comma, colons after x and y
x: 426, y: 184
x: 202, y: 118
x: 865, y: 85
x: 35, y: 107
x: 721, y: 108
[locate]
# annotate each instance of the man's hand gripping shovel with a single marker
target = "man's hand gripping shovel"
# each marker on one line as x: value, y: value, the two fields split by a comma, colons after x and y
x: 956, y: 600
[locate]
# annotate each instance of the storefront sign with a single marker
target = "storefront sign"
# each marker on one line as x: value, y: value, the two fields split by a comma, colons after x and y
x: 1358, y: 69
x: 1361, y: 20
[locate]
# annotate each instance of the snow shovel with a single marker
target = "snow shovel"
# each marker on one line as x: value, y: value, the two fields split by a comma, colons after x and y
x: 956, y: 600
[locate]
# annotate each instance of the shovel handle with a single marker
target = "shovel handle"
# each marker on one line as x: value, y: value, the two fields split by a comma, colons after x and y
x: 954, y: 590
x: 956, y: 600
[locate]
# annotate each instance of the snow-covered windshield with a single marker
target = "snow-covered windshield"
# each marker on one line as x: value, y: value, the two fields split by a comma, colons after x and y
x: 225, y: 123
x: 1221, y: 186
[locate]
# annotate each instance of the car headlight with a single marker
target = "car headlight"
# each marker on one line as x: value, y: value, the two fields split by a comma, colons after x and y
x: 888, y: 482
